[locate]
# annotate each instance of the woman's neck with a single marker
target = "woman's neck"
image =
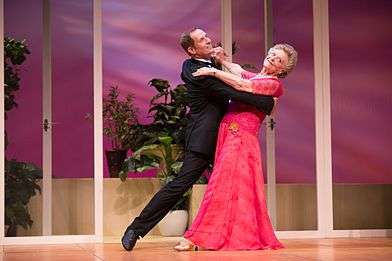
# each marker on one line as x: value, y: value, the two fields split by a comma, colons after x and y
x: 265, y: 73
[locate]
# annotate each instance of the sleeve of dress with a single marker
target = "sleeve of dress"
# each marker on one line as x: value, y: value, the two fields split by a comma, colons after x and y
x: 247, y: 75
x: 267, y: 87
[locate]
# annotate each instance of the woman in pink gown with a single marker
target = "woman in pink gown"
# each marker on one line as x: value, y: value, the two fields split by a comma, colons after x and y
x: 233, y: 214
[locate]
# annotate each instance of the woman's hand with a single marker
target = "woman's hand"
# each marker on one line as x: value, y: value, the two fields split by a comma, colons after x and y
x: 205, y: 71
x: 276, y: 99
x: 219, y: 55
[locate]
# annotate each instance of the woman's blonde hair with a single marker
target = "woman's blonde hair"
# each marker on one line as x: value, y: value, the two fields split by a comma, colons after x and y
x: 292, y: 57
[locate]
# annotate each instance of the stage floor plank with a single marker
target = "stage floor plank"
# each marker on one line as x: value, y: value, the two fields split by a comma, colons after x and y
x: 377, y: 249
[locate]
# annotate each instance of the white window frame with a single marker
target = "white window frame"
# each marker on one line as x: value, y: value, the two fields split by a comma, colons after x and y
x: 47, y: 238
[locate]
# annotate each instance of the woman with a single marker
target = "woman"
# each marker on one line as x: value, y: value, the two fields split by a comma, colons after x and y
x: 233, y: 214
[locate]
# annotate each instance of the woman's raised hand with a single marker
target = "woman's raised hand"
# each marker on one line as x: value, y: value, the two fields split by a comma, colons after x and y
x: 219, y: 54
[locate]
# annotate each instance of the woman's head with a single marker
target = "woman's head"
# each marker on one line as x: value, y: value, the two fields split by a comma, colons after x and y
x: 281, y: 60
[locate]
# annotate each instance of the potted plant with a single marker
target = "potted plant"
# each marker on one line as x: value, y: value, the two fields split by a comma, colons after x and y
x: 160, y: 146
x: 21, y: 179
x: 15, y: 52
x: 120, y: 126
x: 21, y: 185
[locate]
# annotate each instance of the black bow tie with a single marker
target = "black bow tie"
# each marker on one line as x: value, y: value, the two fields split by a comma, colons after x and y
x: 208, y: 64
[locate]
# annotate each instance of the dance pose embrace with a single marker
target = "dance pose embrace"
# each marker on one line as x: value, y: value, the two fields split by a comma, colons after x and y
x: 208, y: 100
x: 233, y: 214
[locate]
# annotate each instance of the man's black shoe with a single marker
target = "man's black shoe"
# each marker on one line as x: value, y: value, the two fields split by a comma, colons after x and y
x: 129, y: 239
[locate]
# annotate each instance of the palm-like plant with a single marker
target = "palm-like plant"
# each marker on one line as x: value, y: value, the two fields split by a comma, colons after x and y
x: 120, y: 115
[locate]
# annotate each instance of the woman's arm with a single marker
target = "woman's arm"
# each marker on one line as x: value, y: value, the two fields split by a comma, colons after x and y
x: 233, y: 80
x: 266, y: 86
x: 220, y: 57
x: 233, y: 67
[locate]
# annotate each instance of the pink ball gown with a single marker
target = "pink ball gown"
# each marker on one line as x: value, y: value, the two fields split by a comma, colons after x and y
x: 233, y: 214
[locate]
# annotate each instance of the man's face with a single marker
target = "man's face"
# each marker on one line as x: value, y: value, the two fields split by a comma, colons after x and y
x: 203, y: 47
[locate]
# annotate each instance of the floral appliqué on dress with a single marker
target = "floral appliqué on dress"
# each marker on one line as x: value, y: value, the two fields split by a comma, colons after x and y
x: 234, y: 127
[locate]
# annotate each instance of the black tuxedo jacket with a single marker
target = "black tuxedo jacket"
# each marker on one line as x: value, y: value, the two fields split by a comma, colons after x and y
x: 208, y: 100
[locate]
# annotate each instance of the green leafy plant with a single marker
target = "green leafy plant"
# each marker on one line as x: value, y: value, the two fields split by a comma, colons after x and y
x: 21, y: 185
x: 169, y: 111
x: 21, y: 179
x: 14, y: 55
x: 160, y: 144
x: 164, y: 156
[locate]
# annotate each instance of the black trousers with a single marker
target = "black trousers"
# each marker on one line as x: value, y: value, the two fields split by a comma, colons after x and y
x: 164, y: 200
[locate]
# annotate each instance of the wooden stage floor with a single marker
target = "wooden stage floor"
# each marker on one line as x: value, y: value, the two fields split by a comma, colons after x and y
x: 377, y: 249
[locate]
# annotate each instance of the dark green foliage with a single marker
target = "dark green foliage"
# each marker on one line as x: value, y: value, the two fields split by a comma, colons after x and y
x: 160, y: 144
x: 21, y: 185
x: 14, y: 54
x: 20, y: 177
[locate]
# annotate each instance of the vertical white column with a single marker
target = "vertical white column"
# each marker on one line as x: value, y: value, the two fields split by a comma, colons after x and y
x: 270, y: 130
x: 2, y: 147
x: 323, y: 116
x: 226, y: 28
x: 47, y: 116
x: 98, y: 123
x: 268, y: 27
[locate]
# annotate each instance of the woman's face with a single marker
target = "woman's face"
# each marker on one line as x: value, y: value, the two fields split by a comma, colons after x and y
x: 276, y: 61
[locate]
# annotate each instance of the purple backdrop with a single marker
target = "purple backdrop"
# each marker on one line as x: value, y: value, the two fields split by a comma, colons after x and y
x: 140, y: 42
x: 361, y: 93
x: 24, y: 21
x: 295, y: 133
x: 72, y: 86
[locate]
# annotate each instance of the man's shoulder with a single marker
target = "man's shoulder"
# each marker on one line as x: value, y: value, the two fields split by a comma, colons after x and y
x: 188, y: 62
x: 188, y: 67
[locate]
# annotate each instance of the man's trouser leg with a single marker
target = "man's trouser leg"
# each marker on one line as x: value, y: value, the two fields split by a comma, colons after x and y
x: 164, y: 200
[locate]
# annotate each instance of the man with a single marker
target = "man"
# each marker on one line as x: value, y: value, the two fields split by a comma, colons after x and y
x: 208, y: 99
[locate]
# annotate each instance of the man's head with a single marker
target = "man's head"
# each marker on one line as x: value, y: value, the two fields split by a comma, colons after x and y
x: 197, y: 44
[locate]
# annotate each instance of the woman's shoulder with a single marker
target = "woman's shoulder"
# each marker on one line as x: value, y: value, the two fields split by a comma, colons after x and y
x: 272, y: 85
x: 247, y: 75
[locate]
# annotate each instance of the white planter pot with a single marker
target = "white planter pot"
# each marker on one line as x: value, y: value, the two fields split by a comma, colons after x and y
x: 174, y: 223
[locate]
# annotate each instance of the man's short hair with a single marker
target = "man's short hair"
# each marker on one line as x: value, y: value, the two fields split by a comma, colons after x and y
x: 186, y: 40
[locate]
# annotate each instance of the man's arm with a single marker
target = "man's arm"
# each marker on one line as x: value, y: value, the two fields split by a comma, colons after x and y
x: 263, y: 103
x: 219, y: 89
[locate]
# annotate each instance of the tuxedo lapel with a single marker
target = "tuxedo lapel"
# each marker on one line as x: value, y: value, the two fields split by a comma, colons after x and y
x: 206, y: 64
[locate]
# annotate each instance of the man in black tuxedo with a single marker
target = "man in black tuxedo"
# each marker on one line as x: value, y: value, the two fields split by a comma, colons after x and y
x: 208, y: 99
